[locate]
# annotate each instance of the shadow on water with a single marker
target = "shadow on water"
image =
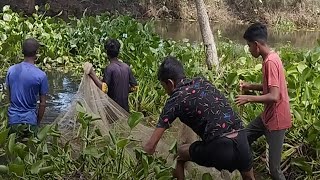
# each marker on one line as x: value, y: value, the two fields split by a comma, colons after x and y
x: 178, y: 30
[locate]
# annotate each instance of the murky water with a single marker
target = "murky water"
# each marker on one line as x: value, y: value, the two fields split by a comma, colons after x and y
x: 190, y: 30
x: 63, y: 87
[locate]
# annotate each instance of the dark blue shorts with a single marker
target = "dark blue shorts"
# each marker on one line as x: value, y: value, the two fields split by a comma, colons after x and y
x: 223, y: 153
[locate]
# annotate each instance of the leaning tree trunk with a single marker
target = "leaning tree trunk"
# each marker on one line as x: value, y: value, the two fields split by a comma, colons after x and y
x: 207, y: 36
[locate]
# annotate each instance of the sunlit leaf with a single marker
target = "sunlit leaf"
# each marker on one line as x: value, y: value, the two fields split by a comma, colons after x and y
x: 6, y: 8
x: 11, y: 143
x: 297, y: 115
x: 207, y: 176
x: 134, y: 119
x: 258, y: 67
x: 122, y: 143
x: 7, y: 17
x: 35, y: 168
x: 43, y: 132
x: 301, y: 66
x: 20, y: 149
x: 232, y: 78
x: 4, y: 169
x: 306, y: 73
x: 316, y: 82
x: 92, y: 151
x: 80, y: 108
x: 174, y: 147
x: 47, y: 7
x: 316, y: 124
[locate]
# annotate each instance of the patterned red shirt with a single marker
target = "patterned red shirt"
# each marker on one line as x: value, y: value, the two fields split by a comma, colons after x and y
x: 199, y: 105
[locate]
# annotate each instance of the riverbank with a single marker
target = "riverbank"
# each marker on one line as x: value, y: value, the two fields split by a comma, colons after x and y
x: 290, y: 14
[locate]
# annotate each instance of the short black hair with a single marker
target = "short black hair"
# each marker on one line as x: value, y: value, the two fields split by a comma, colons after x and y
x: 256, y: 32
x: 30, y: 47
x: 170, y: 68
x: 112, y: 47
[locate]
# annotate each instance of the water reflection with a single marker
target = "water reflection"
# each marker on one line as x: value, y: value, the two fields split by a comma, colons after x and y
x: 179, y: 30
x: 63, y: 87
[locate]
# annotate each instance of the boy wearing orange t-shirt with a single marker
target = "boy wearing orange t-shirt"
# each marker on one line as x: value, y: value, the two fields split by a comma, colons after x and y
x: 276, y: 117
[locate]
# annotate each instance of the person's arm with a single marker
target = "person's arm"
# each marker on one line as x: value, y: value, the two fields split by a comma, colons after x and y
x: 42, y: 108
x: 255, y: 87
x: 132, y: 82
x: 247, y: 86
x: 44, y: 89
x: 151, y: 145
x: 167, y: 116
x: 103, y: 85
x: 272, y: 97
x: 96, y: 80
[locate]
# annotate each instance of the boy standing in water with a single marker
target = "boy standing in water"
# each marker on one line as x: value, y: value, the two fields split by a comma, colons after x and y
x: 276, y: 117
x: 26, y: 83
x: 118, y: 80
x: 199, y: 105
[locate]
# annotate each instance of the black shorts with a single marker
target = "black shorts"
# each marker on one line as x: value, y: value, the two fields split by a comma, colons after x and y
x: 223, y: 153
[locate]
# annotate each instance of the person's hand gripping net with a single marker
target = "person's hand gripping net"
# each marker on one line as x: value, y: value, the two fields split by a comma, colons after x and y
x: 88, y: 68
x: 242, y: 99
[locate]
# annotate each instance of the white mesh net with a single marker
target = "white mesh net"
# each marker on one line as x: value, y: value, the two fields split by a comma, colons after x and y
x: 113, y: 117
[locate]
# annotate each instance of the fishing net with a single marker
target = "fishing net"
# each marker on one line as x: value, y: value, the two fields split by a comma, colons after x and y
x: 113, y: 117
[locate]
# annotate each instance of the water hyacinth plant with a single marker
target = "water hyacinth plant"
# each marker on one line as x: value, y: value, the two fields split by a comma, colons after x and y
x: 69, y: 44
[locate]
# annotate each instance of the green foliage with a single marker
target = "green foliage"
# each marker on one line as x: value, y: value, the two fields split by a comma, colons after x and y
x: 69, y: 44
x: 42, y: 157
x: 134, y: 119
x: 285, y: 25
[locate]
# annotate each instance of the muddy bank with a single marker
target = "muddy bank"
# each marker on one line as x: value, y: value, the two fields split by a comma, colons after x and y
x: 283, y: 13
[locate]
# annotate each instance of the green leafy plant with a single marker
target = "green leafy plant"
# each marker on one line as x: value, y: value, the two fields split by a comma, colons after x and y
x: 69, y: 44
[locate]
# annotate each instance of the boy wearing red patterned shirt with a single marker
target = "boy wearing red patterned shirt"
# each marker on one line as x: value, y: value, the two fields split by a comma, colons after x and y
x: 276, y: 117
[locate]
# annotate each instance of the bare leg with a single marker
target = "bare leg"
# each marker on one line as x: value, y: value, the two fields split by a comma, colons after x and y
x: 248, y: 175
x: 183, y: 157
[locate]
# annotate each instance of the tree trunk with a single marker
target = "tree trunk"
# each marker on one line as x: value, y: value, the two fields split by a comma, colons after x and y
x: 207, y: 36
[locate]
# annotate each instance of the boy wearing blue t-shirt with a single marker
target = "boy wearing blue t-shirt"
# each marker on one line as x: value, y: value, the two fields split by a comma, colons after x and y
x: 26, y: 84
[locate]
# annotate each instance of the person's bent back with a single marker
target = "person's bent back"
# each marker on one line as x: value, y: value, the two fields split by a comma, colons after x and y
x: 25, y: 83
x: 202, y: 107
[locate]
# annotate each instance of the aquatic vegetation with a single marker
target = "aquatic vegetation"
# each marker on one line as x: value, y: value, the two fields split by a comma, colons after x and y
x: 69, y: 44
